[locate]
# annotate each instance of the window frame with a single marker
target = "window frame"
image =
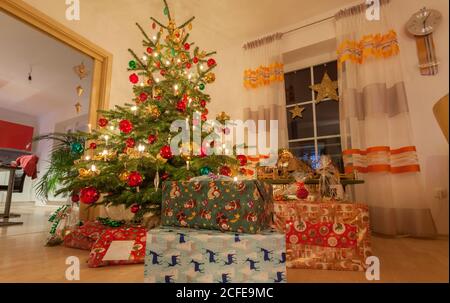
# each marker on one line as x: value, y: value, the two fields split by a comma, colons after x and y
x: 315, y: 138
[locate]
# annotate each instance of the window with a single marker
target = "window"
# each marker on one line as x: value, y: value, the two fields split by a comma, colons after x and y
x: 317, y: 131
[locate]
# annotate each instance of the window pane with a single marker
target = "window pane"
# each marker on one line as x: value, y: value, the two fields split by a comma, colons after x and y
x: 305, y: 151
x: 301, y: 128
x: 327, y: 117
x: 319, y: 71
x: 297, y: 86
x: 332, y: 147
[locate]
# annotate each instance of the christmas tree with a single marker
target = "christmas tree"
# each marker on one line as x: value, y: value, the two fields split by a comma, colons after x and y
x: 128, y: 155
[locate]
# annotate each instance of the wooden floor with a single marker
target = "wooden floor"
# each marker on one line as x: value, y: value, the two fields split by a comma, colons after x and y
x: 23, y: 258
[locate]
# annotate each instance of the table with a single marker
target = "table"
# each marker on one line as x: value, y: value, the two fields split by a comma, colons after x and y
x: 4, y: 218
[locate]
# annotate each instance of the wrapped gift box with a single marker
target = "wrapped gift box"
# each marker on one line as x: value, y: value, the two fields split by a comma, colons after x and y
x: 195, y: 256
x: 119, y: 246
x: 241, y: 206
x: 84, y: 236
x: 329, y: 235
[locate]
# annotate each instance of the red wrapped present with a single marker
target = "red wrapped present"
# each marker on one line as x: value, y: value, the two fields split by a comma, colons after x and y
x: 84, y: 236
x: 119, y: 246
x: 328, y: 235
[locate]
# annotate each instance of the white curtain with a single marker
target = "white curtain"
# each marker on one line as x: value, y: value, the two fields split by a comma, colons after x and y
x: 375, y: 125
x: 264, y: 83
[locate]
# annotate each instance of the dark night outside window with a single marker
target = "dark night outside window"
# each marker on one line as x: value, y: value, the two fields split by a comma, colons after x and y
x: 317, y: 132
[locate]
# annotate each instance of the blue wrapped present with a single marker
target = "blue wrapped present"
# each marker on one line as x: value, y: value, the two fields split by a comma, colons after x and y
x: 175, y: 255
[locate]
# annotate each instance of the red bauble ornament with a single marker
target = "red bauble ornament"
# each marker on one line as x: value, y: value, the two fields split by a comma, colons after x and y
x: 93, y: 145
x: 135, y: 179
x: 205, y: 112
x: 195, y: 60
x: 242, y: 160
x: 134, y: 78
x: 166, y: 152
x: 302, y: 192
x: 89, y: 195
x: 204, y: 118
x: 125, y: 126
x: 75, y: 198
x: 188, y: 65
x: 181, y: 106
x: 130, y: 143
x: 203, y: 103
x: 153, y: 25
x: 225, y: 171
x: 152, y: 139
x: 135, y: 208
x: 165, y: 176
x: 163, y: 72
x: 211, y: 62
x: 143, y: 97
x: 187, y: 46
x: 102, y: 122
x: 203, y: 153
x: 149, y: 50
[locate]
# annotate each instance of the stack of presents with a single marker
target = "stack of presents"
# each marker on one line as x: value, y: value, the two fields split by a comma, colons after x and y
x: 221, y: 230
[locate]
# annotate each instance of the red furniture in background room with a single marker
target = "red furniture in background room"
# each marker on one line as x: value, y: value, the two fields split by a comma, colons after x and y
x: 15, y: 136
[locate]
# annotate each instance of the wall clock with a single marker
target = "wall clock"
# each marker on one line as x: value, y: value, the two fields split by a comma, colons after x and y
x: 422, y: 25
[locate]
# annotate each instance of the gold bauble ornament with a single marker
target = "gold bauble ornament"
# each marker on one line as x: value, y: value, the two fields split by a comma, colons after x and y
x: 223, y: 116
x: 202, y: 54
x: 157, y: 92
x: 84, y: 173
x: 152, y: 111
x: 161, y: 159
x: 124, y: 176
x: 171, y: 25
x: 210, y: 78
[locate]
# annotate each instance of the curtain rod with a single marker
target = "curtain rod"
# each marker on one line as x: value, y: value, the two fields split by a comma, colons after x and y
x: 270, y: 38
x: 353, y: 10
x: 309, y: 24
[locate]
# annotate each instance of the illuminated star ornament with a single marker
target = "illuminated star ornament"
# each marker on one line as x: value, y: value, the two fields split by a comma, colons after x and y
x: 297, y: 112
x: 326, y: 89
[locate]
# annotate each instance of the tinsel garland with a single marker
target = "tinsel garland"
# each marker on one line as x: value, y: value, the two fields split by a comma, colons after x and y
x: 56, y: 217
x: 109, y: 222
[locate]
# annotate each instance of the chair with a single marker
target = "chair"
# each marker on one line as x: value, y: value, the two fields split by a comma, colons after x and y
x: 19, y: 181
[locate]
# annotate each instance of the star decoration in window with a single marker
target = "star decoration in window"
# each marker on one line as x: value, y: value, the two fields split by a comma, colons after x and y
x: 326, y: 89
x: 297, y: 111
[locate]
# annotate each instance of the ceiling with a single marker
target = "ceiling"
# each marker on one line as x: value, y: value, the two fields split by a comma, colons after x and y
x: 230, y: 20
x: 54, y: 83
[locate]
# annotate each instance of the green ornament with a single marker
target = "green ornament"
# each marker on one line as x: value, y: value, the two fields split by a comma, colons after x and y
x: 205, y: 171
x: 77, y: 148
x: 166, y: 11
x: 132, y: 64
x: 173, y: 52
x: 201, y: 86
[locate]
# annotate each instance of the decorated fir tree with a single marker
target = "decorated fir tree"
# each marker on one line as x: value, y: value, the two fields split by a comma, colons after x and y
x: 128, y: 156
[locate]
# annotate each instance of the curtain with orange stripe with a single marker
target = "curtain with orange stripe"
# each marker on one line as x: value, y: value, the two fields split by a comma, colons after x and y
x: 375, y: 124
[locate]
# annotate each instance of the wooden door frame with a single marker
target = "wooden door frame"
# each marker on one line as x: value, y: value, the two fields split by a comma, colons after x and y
x: 102, y: 67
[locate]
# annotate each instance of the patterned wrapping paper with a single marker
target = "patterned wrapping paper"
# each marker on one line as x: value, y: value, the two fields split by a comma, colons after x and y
x: 84, y: 236
x: 241, y: 206
x: 200, y: 256
x: 334, y: 236
x: 100, y: 248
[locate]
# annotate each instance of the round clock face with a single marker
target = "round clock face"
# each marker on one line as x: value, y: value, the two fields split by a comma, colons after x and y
x: 424, y: 22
